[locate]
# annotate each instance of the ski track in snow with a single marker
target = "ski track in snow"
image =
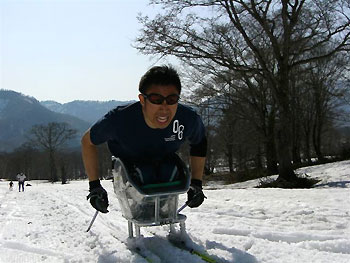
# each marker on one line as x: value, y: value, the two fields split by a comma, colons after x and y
x: 237, y: 223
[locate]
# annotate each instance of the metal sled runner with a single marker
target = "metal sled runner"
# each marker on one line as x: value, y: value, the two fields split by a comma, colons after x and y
x: 150, y: 204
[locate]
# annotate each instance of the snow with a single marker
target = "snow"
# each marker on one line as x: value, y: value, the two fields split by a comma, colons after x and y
x: 237, y: 223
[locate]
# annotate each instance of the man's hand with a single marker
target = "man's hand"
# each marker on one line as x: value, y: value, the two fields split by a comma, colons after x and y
x: 98, y: 196
x: 195, y: 196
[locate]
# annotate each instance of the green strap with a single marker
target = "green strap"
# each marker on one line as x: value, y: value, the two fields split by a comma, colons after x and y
x: 206, y: 258
x: 167, y: 184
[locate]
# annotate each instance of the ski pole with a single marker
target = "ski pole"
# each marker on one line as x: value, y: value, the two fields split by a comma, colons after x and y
x: 92, y: 221
x: 182, y: 207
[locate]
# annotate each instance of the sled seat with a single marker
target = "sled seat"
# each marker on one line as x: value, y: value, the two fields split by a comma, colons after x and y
x: 150, y: 204
x: 160, y: 188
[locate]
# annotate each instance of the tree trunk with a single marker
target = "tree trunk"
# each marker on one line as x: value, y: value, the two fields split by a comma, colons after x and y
x: 296, y: 154
x: 52, y: 164
x: 271, y: 157
x: 316, y: 138
x: 284, y: 130
x: 307, y: 134
x: 296, y: 142
x: 257, y: 159
x: 284, y: 154
x: 229, y: 155
x: 270, y: 147
x: 63, y: 174
x: 307, y: 148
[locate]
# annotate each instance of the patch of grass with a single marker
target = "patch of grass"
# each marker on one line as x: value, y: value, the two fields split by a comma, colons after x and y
x: 299, y: 182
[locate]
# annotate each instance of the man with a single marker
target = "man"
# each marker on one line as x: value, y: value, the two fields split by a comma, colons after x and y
x: 11, y: 186
x: 147, y: 132
x: 21, y: 178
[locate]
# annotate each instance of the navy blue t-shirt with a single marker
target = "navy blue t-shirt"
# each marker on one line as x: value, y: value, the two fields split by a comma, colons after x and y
x: 129, y: 137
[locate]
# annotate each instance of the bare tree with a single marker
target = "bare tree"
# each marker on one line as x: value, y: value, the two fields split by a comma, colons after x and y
x: 234, y: 35
x: 51, y: 137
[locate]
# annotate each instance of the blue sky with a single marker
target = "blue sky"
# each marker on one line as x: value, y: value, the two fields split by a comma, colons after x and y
x: 65, y: 50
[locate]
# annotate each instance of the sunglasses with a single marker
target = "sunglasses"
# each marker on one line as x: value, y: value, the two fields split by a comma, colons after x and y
x: 155, y: 98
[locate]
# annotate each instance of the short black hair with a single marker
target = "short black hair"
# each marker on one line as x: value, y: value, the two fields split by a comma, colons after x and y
x: 160, y: 75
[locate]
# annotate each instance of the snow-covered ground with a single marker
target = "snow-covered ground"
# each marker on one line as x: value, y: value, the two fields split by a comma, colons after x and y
x: 238, y: 223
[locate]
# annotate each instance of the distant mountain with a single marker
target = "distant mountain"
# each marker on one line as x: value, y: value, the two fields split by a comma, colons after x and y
x: 18, y: 113
x: 89, y: 111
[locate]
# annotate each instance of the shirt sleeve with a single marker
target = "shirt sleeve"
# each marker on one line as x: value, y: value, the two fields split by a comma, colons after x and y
x: 104, y: 129
x: 197, y: 139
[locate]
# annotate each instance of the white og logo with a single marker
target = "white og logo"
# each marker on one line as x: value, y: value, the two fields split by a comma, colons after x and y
x: 179, y: 129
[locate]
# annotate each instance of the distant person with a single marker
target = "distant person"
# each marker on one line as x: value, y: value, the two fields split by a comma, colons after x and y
x: 21, y: 178
x: 147, y: 134
x: 11, y: 186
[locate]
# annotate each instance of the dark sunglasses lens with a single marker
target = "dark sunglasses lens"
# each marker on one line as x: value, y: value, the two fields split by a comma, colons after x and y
x: 155, y: 98
x: 172, y: 99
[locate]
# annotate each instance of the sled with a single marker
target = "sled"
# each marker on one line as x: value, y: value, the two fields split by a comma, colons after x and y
x: 150, y: 204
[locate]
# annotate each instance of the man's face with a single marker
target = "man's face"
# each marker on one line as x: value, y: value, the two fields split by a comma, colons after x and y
x: 158, y: 116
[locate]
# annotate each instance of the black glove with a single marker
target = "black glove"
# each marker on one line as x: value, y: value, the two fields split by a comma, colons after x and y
x: 98, y: 196
x: 195, y: 196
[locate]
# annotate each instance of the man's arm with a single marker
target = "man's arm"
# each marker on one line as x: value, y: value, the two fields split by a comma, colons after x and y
x: 195, y: 196
x: 90, y: 157
x: 98, y: 195
x: 197, y: 167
